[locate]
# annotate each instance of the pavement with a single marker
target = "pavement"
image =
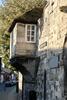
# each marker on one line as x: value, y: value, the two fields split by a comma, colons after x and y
x: 1, y: 87
x: 8, y: 93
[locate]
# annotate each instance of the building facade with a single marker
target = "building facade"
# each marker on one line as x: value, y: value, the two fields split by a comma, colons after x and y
x: 23, y: 50
x: 38, y: 50
x: 53, y: 30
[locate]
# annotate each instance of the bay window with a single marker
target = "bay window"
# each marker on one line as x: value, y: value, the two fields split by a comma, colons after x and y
x: 30, y: 33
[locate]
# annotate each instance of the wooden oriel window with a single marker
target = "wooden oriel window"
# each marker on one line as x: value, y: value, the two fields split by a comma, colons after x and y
x: 30, y: 33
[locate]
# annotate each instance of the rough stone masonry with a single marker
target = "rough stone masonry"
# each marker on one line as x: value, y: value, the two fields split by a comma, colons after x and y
x: 53, y: 30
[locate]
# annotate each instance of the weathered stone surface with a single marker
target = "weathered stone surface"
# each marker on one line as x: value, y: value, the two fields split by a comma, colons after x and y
x: 53, y: 31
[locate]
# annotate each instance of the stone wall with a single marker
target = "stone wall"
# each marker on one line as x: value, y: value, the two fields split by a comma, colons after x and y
x: 40, y: 80
x: 54, y: 84
x: 26, y: 90
x: 53, y: 31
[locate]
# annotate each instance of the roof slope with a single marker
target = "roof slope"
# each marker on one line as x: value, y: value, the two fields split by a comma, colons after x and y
x: 29, y: 17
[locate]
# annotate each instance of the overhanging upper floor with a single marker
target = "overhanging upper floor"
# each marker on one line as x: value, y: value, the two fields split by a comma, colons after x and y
x: 28, y: 66
x: 24, y: 34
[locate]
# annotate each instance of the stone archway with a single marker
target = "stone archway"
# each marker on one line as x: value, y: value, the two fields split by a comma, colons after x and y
x: 32, y: 95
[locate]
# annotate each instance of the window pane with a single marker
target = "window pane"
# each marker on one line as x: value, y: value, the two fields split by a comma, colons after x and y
x: 32, y: 33
x: 28, y: 38
x: 28, y: 27
x: 28, y: 32
x: 32, y: 38
x: 33, y: 27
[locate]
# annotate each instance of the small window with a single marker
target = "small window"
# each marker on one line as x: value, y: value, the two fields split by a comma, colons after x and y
x: 30, y: 33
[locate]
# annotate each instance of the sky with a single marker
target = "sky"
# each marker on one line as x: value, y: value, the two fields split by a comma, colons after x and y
x: 1, y: 2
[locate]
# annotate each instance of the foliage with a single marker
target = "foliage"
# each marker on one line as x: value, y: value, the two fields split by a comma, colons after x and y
x: 9, y: 10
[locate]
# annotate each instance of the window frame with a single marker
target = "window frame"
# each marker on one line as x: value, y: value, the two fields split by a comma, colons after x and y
x: 30, y: 33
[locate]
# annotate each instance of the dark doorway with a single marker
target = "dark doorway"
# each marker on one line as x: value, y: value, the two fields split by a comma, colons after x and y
x: 32, y: 95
